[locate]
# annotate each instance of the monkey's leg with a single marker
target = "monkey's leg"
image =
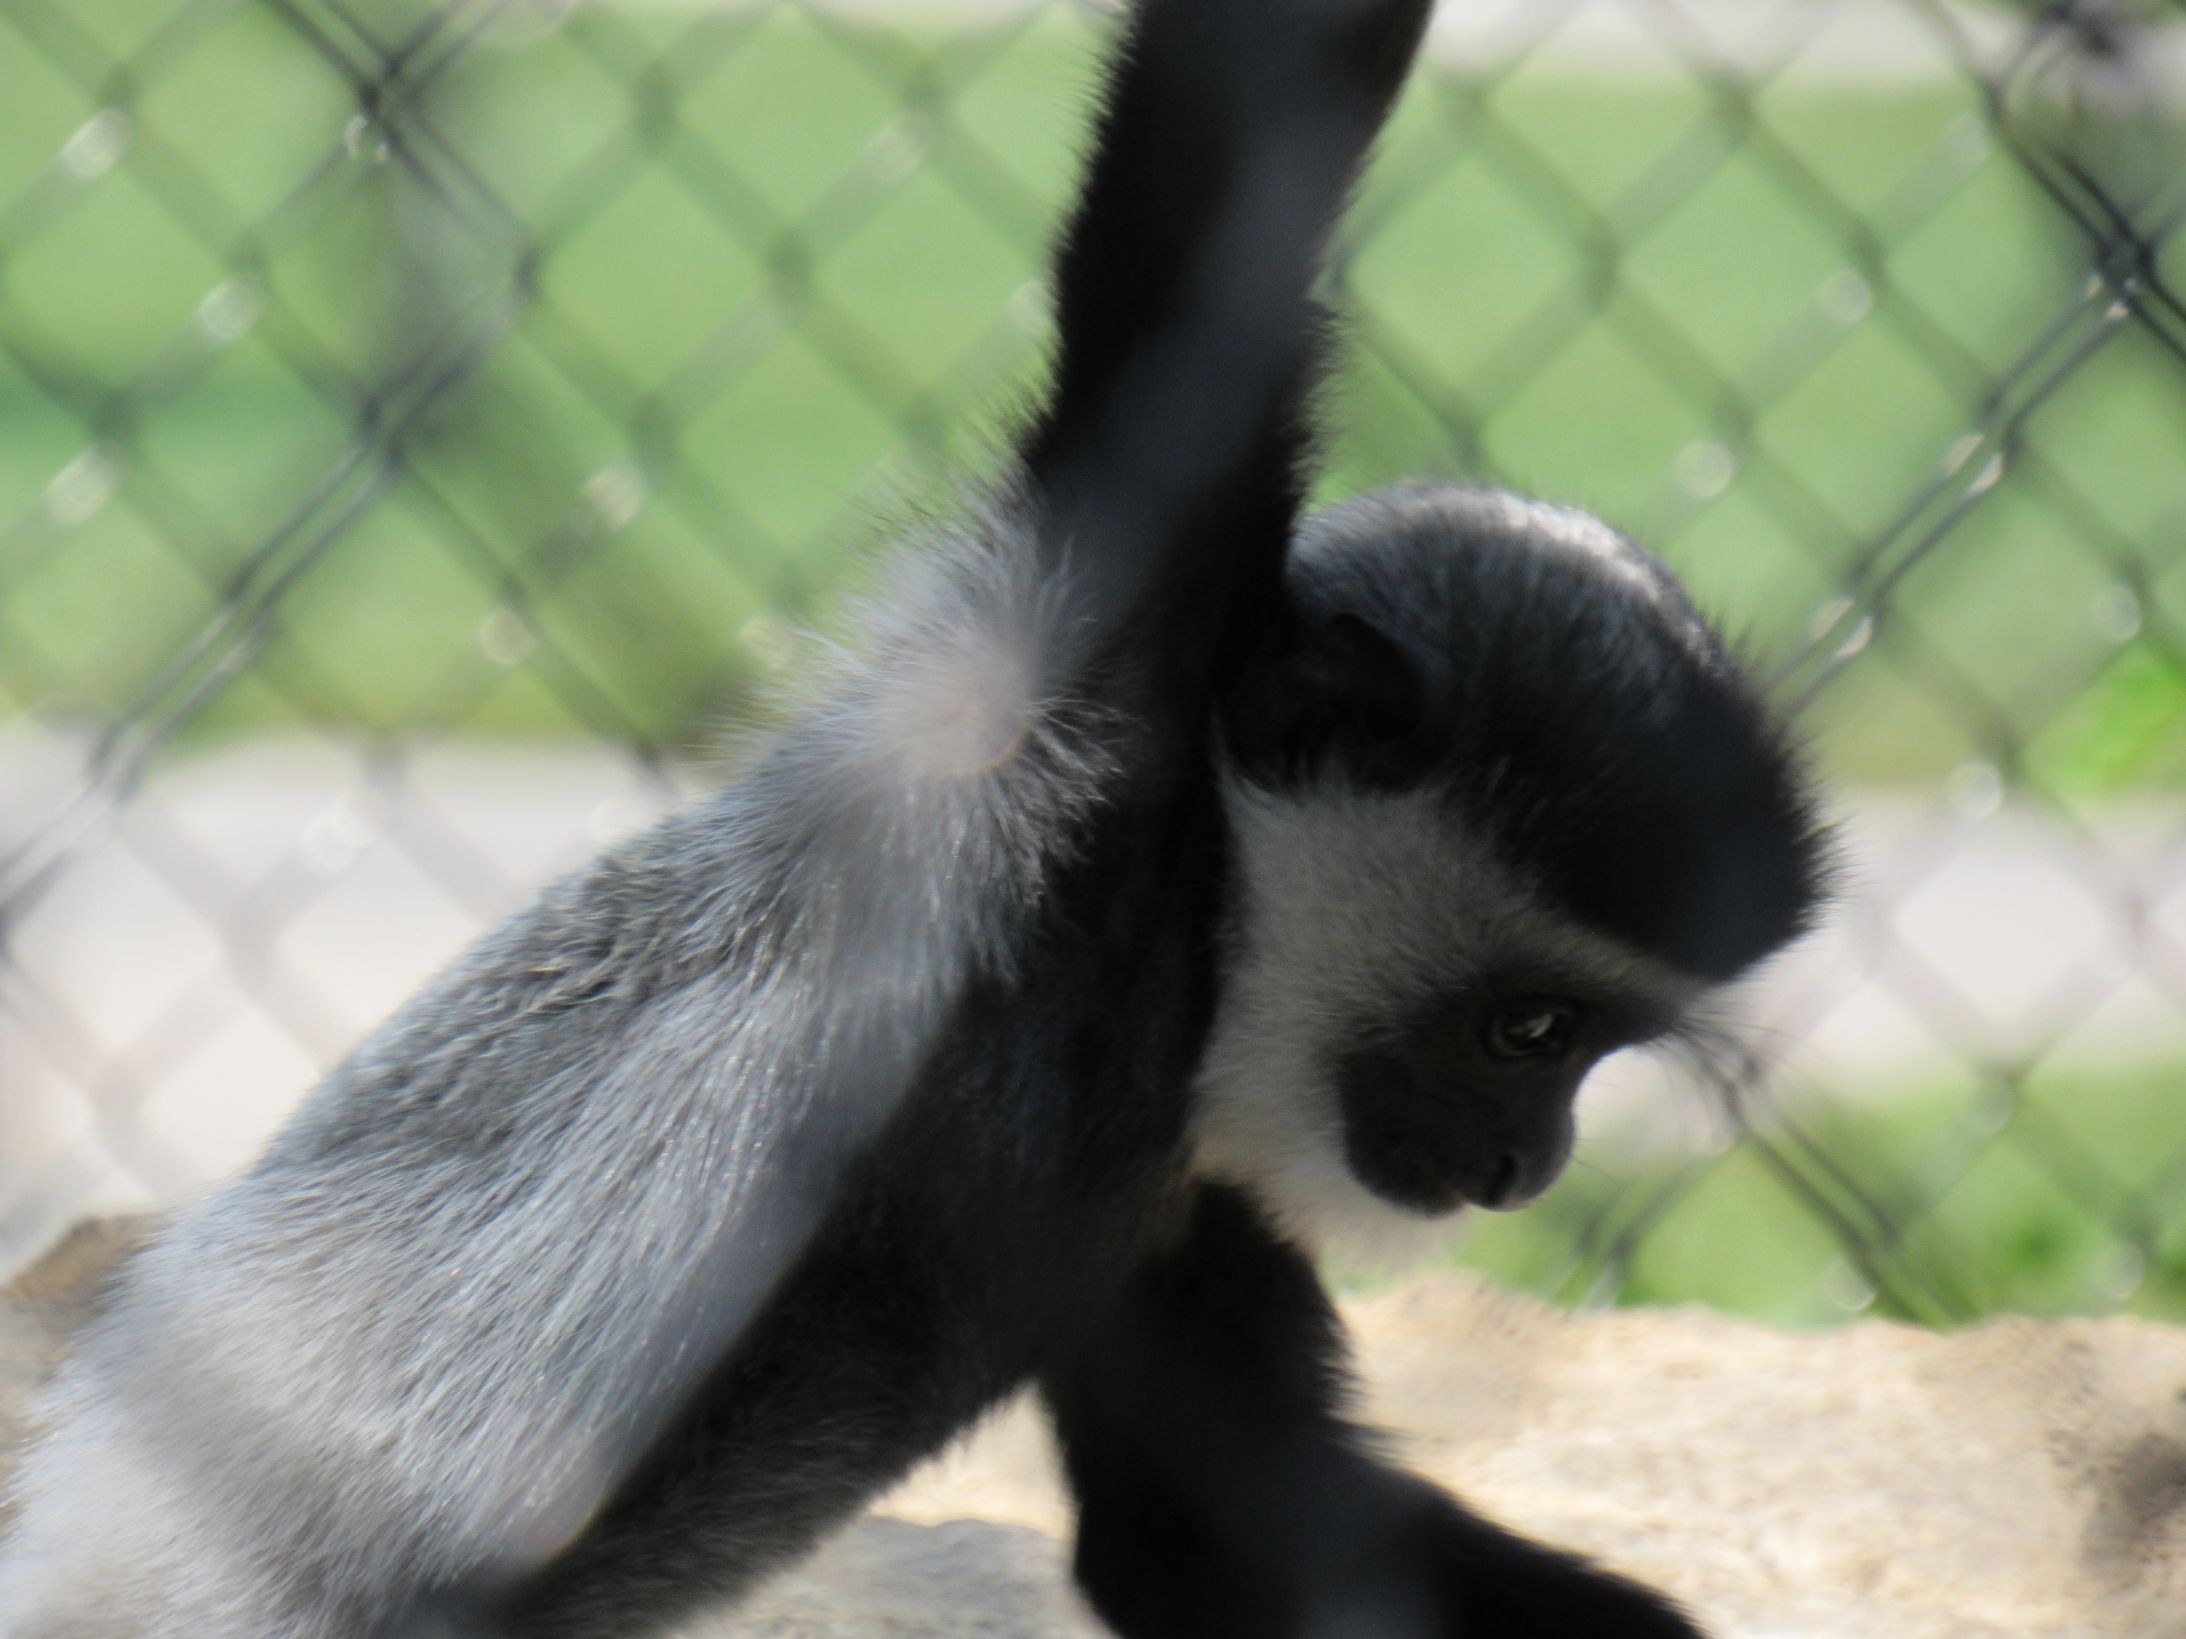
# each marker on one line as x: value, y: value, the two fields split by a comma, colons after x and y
x: 1222, y: 1496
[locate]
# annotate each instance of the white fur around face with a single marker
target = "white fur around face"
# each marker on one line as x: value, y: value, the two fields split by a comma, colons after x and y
x: 1351, y: 908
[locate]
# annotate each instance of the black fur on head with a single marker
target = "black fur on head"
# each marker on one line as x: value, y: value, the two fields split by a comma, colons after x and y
x: 1554, y: 683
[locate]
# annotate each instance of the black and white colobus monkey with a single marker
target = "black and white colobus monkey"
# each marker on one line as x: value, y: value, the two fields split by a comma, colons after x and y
x: 1139, y: 891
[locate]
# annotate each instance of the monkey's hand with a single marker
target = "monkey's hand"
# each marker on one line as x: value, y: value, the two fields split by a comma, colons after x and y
x: 1494, y: 1585
x: 1222, y: 1495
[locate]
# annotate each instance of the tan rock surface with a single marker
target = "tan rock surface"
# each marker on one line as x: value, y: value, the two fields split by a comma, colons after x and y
x: 2015, y: 1479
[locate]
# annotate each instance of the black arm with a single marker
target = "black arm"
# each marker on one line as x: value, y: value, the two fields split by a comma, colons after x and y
x: 1222, y: 1495
x: 1168, y: 462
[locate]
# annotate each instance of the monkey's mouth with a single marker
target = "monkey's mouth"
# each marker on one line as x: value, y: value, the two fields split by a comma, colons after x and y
x: 1415, y: 1178
x: 1432, y: 1149
x: 1407, y: 1145
x: 1507, y: 1188
x: 1406, y: 1173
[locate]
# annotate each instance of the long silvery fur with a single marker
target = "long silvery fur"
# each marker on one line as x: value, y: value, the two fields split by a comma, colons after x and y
x: 448, y: 1357
x: 506, y: 1301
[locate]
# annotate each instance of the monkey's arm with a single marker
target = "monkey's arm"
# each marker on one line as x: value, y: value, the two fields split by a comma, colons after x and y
x: 1167, y: 464
x: 1222, y: 1495
x: 409, y: 1355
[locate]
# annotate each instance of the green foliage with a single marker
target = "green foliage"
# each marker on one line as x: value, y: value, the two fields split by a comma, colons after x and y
x: 2058, y: 1193
x: 757, y: 277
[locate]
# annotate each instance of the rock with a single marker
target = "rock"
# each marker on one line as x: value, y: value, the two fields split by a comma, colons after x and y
x: 2014, y: 1480
x: 1875, y: 1480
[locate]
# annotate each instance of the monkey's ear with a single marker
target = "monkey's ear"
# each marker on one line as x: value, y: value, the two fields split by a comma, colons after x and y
x: 1343, y: 684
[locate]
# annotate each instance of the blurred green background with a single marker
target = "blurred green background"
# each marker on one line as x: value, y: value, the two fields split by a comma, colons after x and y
x: 517, y: 370
x: 744, y: 266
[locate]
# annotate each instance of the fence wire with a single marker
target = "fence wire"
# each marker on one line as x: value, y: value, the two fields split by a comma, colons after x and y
x: 422, y: 423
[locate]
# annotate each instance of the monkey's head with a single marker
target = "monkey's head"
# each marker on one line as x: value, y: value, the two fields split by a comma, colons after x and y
x: 1501, y: 804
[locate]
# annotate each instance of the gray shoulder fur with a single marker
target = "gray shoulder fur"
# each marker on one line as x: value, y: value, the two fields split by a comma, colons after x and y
x: 660, y: 1065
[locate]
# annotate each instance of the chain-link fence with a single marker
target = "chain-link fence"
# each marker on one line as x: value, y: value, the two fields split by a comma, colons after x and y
x: 418, y: 420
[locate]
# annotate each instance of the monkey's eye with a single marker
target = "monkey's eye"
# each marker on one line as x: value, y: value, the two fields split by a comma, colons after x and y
x: 1531, y: 1027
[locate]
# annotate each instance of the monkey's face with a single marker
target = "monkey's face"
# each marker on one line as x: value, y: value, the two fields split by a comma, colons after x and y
x: 1404, y: 1024
x: 1467, y: 1101
x: 1500, y: 803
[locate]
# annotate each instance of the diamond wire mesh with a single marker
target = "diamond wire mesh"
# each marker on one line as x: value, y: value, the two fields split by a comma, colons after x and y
x: 421, y: 419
